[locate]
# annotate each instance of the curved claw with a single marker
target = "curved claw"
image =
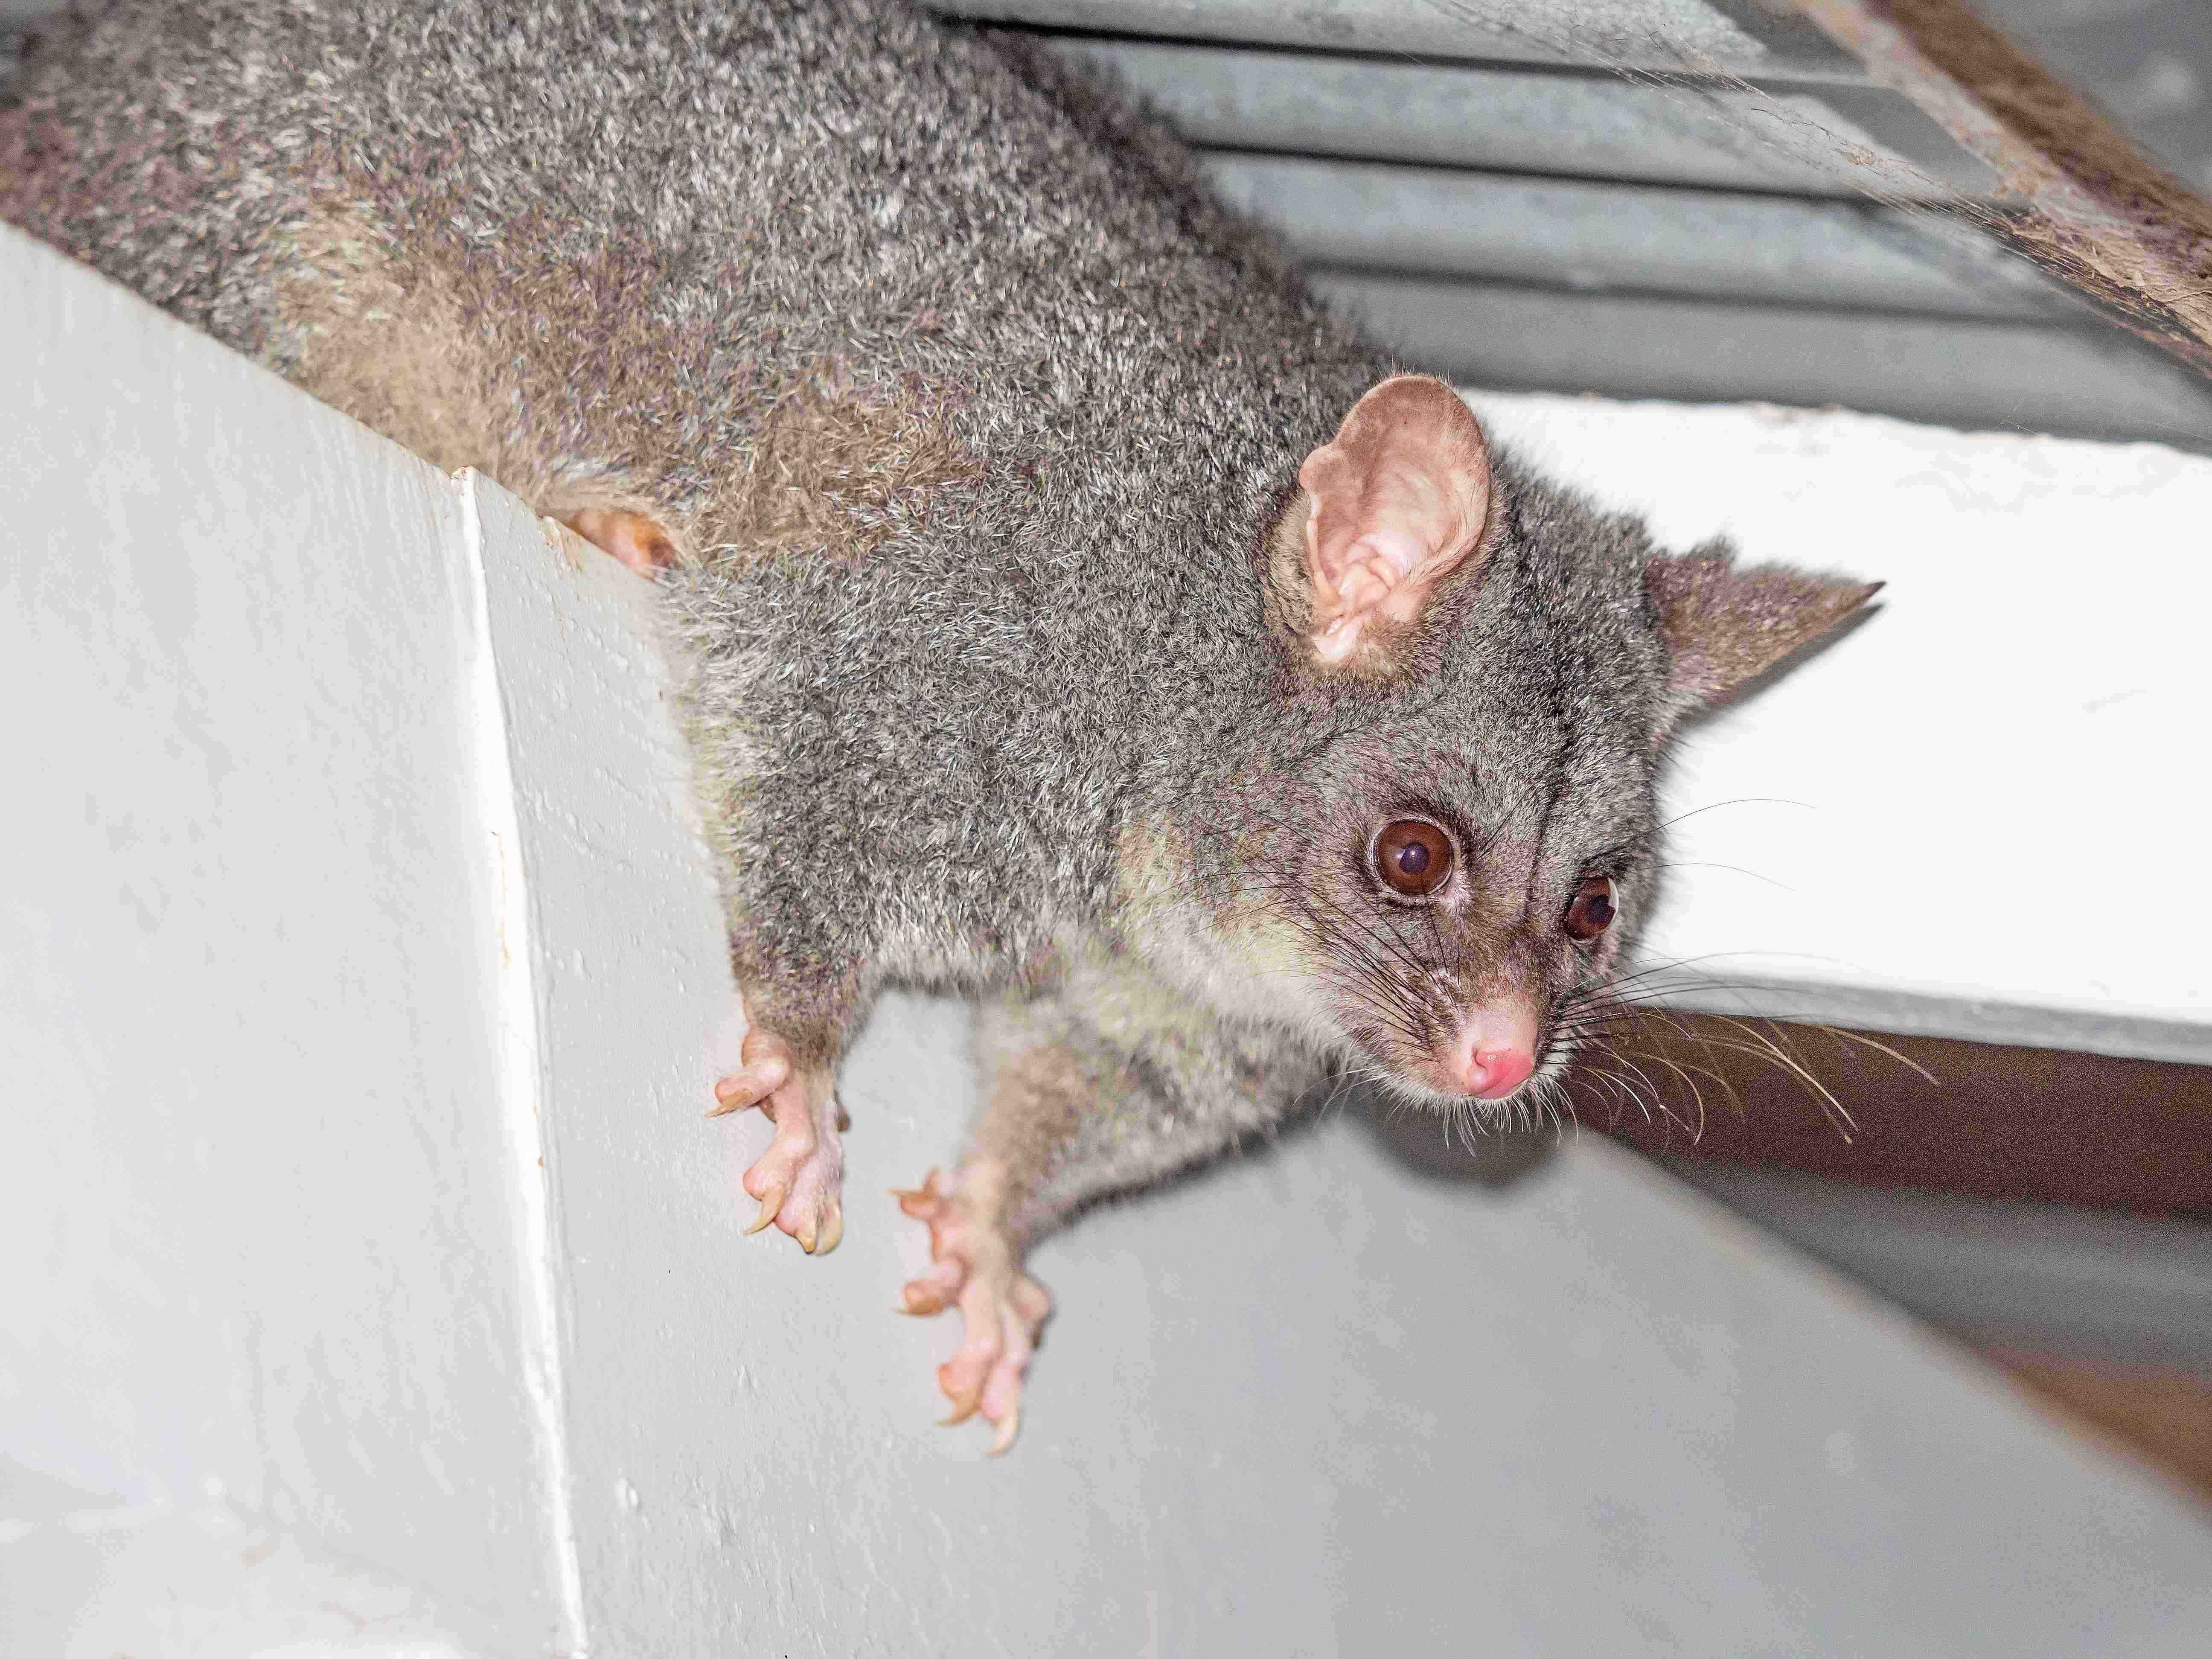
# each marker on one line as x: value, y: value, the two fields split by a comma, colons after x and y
x: 963, y: 1405
x: 833, y: 1228
x: 770, y: 1203
x: 748, y: 1086
x: 1003, y: 1441
x: 922, y: 1202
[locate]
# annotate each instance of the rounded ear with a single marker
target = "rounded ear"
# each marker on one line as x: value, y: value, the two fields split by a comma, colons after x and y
x: 1397, y: 502
x: 1723, y: 625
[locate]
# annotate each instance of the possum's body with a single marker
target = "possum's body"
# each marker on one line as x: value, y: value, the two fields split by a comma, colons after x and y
x: 1031, y: 636
x: 824, y: 286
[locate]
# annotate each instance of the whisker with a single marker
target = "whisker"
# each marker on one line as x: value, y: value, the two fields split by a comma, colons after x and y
x: 1866, y: 1042
x: 1689, y: 1074
x: 1706, y: 864
x: 1740, y: 800
x: 1765, y: 1048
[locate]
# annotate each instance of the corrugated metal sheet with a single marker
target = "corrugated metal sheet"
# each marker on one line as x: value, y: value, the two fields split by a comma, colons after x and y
x: 2002, y: 376
x: 1591, y: 236
x: 1651, y: 198
x: 1511, y: 118
x: 1734, y: 37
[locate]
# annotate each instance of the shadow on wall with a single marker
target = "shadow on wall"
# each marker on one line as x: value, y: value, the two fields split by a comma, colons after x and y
x: 1431, y: 1148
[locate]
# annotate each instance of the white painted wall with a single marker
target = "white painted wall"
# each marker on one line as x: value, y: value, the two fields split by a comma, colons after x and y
x: 259, y: 1193
x: 350, y: 874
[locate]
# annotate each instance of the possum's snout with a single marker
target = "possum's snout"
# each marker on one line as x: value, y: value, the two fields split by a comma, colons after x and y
x: 1493, y: 1052
x: 1486, y: 1054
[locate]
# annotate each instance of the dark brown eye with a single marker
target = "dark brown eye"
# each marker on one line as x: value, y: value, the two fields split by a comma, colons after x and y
x: 1413, y: 856
x: 1591, y: 912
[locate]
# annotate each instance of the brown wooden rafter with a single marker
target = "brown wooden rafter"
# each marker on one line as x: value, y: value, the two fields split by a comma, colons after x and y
x: 2075, y: 194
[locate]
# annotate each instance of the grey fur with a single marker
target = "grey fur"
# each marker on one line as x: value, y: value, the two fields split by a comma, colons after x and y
x: 975, y: 418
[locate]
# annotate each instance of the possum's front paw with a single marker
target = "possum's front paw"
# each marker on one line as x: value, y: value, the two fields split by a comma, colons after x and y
x: 1002, y: 1306
x: 799, y: 1179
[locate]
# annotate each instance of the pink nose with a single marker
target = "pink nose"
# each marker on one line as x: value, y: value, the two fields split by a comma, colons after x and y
x: 1494, y: 1074
x: 1494, y: 1051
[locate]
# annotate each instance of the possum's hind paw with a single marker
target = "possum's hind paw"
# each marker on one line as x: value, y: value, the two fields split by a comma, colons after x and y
x: 1002, y: 1307
x: 634, y: 539
x: 799, y: 1179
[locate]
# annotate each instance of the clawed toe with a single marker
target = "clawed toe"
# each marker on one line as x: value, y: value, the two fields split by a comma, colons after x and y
x: 749, y: 1085
x: 767, y: 1068
x: 924, y: 1203
x: 963, y: 1408
x: 771, y: 1203
x: 806, y: 1208
x: 934, y: 1292
x: 817, y: 1228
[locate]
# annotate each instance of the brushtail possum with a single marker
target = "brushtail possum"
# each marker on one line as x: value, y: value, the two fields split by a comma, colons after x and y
x: 1067, y: 610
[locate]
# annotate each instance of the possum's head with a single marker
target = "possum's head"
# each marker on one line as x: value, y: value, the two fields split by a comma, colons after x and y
x: 1446, y: 842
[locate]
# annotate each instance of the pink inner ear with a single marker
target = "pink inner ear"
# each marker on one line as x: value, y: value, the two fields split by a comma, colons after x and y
x: 1399, y: 499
